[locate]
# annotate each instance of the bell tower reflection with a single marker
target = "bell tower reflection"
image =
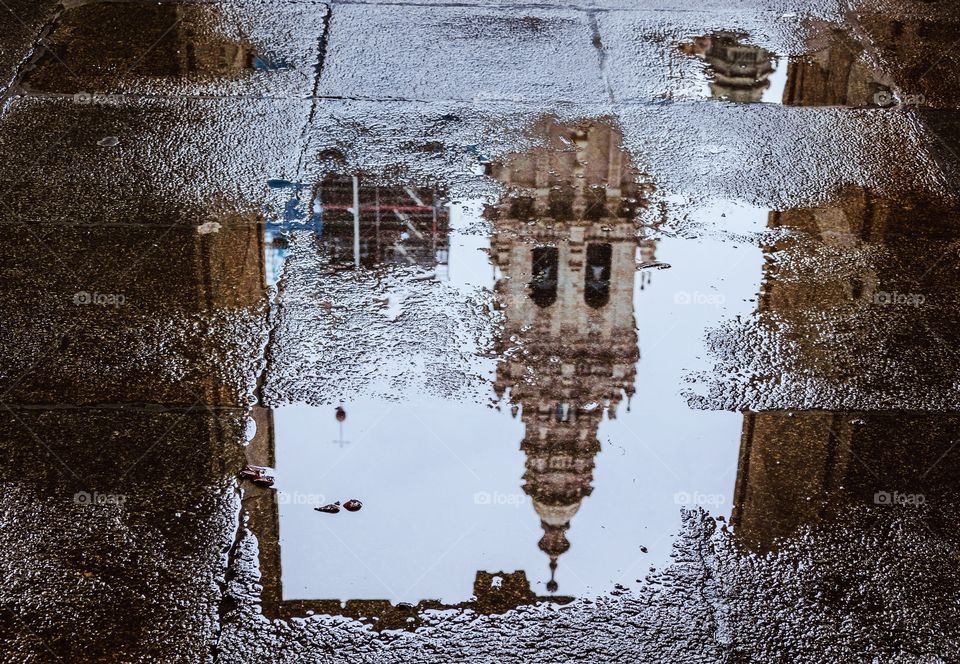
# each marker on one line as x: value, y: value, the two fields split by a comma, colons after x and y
x: 565, y: 242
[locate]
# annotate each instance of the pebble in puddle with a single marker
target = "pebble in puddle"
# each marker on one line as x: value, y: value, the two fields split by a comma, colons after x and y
x: 109, y: 142
x: 353, y: 505
x: 333, y: 508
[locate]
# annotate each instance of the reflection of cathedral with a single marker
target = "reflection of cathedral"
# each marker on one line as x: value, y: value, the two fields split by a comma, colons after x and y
x: 566, y: 244
x: 833, y: 72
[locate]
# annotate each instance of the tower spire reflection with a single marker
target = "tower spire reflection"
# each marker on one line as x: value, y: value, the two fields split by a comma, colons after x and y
x: 566, y: 243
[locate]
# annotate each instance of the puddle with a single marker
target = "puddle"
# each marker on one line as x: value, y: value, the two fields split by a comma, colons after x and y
x: 524, y: 484
x: 588, y: 367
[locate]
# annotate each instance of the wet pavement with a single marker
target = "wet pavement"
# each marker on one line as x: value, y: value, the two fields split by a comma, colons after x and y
x: 389, y: 331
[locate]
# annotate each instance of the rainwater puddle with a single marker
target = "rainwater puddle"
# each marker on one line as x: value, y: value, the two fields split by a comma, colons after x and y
x: 564, y: 472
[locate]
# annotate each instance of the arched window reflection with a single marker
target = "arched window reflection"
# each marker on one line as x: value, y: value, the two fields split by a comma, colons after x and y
x: 597, y: 287
x: 543, y: 285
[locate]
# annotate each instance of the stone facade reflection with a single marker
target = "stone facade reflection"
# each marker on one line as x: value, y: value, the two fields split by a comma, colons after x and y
x: 801, y: 467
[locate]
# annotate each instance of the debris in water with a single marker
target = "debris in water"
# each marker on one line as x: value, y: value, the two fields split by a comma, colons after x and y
x: 332, y: 508
x: 653, y: 265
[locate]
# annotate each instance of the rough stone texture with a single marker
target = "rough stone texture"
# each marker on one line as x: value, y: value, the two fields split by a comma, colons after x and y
x: 116, y: 526
x: 832, y: 594
x: 22, y: 23
x: 176, y: 161
x: 449, y: 53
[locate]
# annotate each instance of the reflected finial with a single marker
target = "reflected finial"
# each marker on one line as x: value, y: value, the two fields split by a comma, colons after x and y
x: 552, y: 583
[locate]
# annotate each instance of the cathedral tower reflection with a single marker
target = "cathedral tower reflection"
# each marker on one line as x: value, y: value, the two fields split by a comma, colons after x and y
x: 739, y: 71
x: 565, y: 242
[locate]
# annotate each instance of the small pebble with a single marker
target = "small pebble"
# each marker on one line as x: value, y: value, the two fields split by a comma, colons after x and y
x: 352, y: 505
x: 109, y: 142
